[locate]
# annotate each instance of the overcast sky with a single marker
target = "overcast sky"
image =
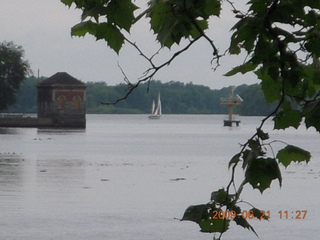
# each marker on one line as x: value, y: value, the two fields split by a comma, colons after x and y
x: 42, y: 28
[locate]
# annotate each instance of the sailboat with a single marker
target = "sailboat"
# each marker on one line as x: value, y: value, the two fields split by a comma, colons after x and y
x: 156, y: 109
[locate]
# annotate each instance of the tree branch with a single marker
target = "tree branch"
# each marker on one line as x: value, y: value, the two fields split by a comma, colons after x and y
x: 151, y: 72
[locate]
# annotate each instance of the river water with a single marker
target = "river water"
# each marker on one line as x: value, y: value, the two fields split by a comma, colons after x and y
x: 128, y: 177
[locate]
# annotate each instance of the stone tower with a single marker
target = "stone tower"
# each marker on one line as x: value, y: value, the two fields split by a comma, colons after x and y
x: 62, y: 98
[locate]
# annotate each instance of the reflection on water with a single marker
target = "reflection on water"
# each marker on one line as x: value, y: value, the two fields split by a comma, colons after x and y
x: 59, y: 131
x: 4, y: 131
x: 118, y: 179
x: 10, y: 172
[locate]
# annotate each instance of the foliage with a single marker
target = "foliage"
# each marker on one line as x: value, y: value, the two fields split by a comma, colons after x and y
x: 254, y: 103
x: 13, y: 70
x: 281, y: 40
x: 26, y: 96
x: 177, y: 98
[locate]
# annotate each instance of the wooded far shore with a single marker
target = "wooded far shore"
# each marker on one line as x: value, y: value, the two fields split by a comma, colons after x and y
x: 176, y: 97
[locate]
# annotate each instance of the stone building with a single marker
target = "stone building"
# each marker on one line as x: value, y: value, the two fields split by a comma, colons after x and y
x: 62, y: 98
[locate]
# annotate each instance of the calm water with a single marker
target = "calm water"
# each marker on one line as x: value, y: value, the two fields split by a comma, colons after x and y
x: 127, y: 177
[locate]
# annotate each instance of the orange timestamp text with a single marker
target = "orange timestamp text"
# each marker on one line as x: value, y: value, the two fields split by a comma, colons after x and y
x: 219, y: 214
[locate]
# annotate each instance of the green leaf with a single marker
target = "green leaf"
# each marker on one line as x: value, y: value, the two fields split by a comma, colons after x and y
x: 313, y: 46
x: 121, y: 13
x: 312, y: 4
x: 291, y: 154
x: 111, y: 35
x: 248, y: 156
x: 244, y: 223
x: 234, y: 160
x: 271, y: 87
x: 244, y: 68
x: 81, y: 29
x: 247, y: 29
x: 262, y: 135
x: 200, y: 215
x: 202, y: 24
x: 256, y: 147
x: 234, y: 49
x: 265, y: 50
x: 195, y: 213
x: 67, y: 2
x: 212, y: 7
x: 311, y: 111
x: 157, y: 15
x: 259, y: 214
x: 261, y: 171
x: 210, y: 225
x: 94, y: 12
x: 221, y: 196
x: 163, y: 22
x: 240, y: 220
x: 106, y: 31
x: 287, y: 118
x: 259, y: 7
x: 173, y: 20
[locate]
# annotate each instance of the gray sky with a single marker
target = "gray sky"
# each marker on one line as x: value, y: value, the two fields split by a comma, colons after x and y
x: 42, y: 28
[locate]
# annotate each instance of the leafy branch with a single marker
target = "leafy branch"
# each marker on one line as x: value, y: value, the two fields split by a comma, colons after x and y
x: 282, y: 76
x: 281, y: 40
x: 172, y: 21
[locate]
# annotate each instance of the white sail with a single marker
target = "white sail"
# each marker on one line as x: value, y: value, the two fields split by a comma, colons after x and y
x: 153, y: 108
x: 156, y: 109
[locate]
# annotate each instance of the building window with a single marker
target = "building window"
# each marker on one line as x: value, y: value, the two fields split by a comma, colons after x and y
x: 77, y: 102
x: 62, y: 102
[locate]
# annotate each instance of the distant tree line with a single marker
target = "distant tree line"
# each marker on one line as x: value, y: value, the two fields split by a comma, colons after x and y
x: 176, y: 97
x: 14, y: 68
